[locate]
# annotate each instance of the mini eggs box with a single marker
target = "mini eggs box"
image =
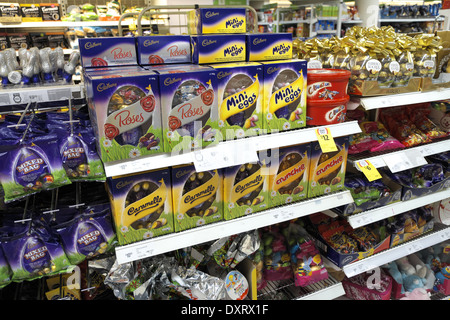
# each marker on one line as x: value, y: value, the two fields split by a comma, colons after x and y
x: 218, y: 48
x: 125, y: 111
x: 327, y: 169
x: 141, y: 205
x: 217, y: 20
x: 245, y: 189
x: 284, y: 104
x: 107, y: 51
x: 197, y: 197
x: 269, y: 46
x: 189, y: 107
x: 240, y: 98
x: 163, y: 49
x: 289, y: 174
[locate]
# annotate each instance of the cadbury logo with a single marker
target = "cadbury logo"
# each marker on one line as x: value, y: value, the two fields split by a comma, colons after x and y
x: 122, y: 184
x: 105, y: 86
x: 169, y: 81
x: 257, y: 41
x: 271, y: 70
x: 223, y: 74
x: 181, y: 173
x: 206, y: 43
x: 148, y: 43
x: 90, y: 45
x: 210, y: 14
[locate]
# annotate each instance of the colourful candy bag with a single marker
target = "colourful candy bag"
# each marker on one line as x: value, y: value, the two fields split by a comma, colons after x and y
x: 33, y: 251
x: 30, y: 166
x: 363, y: 190
x: 88, y: 234
x: 5, y: 270
x: 277, y: 260
x: 306, y: 261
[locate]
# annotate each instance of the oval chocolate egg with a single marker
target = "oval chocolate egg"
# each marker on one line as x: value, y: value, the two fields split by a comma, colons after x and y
x: 288, y: 161
x: 236, y: 84
x: 195, y: 180
x: 245, y: 171
x: 31, y: 169
x: 120, y: 100
x: 35, y: 256
x: 283, y: 79
x: 74, y: 157
x: 186, y: 91
x: 139, y: 191
x: 89, y: 238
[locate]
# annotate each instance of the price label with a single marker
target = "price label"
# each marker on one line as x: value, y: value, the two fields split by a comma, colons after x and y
x: 326, y: 140
x: 369, y: 170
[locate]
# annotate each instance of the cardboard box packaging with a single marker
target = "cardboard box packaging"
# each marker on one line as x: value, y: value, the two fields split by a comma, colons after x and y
x: 107, y: 51
x: 269, y: 46
x: 218, y: 48
x: 217, y: 20
x: 153, y: 50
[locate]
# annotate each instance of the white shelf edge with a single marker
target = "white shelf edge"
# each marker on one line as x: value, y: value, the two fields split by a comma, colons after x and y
x: 325, y: 31
x: 62, y: 24
x: 426, y: 150
x: 397, y: 252
x: 373, y: 215
x: 386, y: 101
x: 263, y: 142
x: 430, y: 19
x: 329, y: 293
x: 174, y: 241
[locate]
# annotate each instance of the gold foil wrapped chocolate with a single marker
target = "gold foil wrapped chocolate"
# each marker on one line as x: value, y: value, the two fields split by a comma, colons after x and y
x: 425, y: 56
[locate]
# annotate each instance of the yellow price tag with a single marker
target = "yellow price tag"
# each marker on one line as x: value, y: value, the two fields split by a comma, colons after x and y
x: 369, y: 170
x: 326, y: 140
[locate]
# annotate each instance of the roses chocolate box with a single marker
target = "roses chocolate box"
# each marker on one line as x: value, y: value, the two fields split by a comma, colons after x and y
x: 125, y: 112
x: 107, y: 51
x: 153, y: 50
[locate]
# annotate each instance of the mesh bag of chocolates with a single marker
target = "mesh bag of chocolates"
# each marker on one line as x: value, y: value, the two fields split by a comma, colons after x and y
x: 425, y: 55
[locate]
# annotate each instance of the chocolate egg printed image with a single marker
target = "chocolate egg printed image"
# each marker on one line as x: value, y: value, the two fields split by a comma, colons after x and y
x: 122, y: 98
x: 331, y: 177
x: 245, y: 171
x: 236, y: 84
x: 290, y: 160
x: 187, y: 91
x: 74, y: 158
x: 32, y: 171
x: 139, y: 191
x: 284, y: 79
x: 35, y: 257
x: 90, y: 240
x: 194, y: 181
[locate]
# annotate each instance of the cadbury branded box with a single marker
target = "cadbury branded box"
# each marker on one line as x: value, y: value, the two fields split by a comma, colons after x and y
x: 153, y: 50
x: 196, y: 196
x: 245, y: 189
x: 141, y: 205
x: 217, y: 20
x: 289, y: 174
x: 284, y: 104
x: 327, y: 170
x: 107, y: 51
x: 189, y: 107
x: 218, y: 48
x: 125, y: 112
x: 269, y: 46
x: 240, y: 98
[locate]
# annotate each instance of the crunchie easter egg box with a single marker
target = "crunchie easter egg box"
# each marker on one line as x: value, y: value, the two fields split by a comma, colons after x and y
x: 217, y: 20
x: 327, y: 170
x: 284, y: 104
x: 125, y: 112
x: 189, y: 107
x: 107, y: 51
x: 153, y: 50
x: 197, y: 197
x: 289, y: 174
x: 245, y: 189
x: 141, y: 205
x: 240, y: 98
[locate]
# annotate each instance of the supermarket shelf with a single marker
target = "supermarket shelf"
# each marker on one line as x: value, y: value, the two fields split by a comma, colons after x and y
x: 223, y: 154
x: 352, y: 21
x: 174, y: 241
x: 325, y: 31
x: 408, y: 20
x: 386, y: 101
x: 439, y: 234
x: 377, y: 214
x: 45, y: 94
x: 68, y: 24
x: 328, y: 289
x: 406, y: 158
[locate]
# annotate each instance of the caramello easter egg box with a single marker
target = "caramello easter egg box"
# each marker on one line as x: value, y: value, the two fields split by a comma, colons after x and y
x: 189, y: 107
x: 125, y: 111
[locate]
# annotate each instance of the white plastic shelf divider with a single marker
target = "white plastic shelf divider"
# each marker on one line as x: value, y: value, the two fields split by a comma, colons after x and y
x: 377, y: 214
x: 44, y: 93
x: 386, y: 101
x: 222, y: 150
x: 441, y: 233
x: 174, y: 241
x: 331, y: 292
x: 425, y: 150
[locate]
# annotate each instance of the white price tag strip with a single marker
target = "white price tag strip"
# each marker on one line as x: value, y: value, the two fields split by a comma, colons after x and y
x: 415, y: 157
x: 224, y: 155
x: 397, y: 162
